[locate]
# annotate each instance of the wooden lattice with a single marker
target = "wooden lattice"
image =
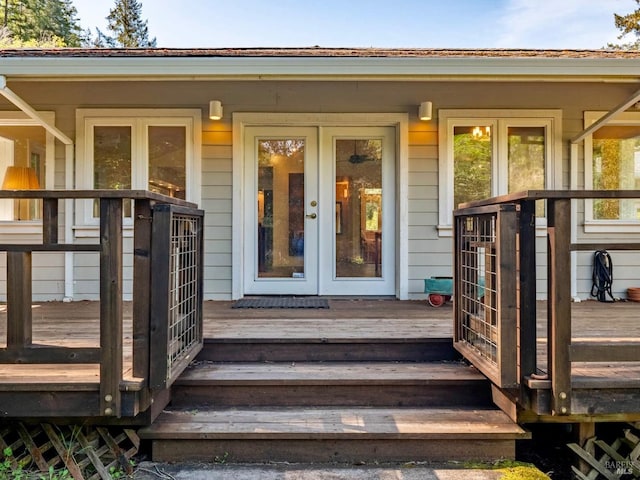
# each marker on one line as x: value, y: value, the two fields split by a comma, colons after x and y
x: 618, y: 460
x: 89, y: 453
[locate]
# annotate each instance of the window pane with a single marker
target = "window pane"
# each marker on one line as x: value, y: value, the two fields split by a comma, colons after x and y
x: 472, y: 150
x: 527, y: 161
x: 112, y: 157
x: 616, y: 166
x: 358, y: 226
x: 281, y: 208
x: 167, y: 161
x: 112, y: 161
x: 22, y: 158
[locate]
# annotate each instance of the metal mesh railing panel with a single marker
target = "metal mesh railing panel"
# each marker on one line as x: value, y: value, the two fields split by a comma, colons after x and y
x: 478, y: 284
x: 184, y: 330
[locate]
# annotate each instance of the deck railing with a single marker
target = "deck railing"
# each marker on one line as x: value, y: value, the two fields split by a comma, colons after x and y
x: 176, y: 291
x: 495, y: 250
x: 167, y: 251
x: 484, y: 289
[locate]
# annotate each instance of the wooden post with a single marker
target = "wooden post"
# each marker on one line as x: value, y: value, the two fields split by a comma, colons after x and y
x: 49, y: 221
x: 559, y: 310
x: 142, y: 289
x: 582, y: 433
x: 457, y: 279
x: 110, y: 305
x: 527, y: 294
x: 506, y: 295
x: 19, y: 316
x: 161, y: 258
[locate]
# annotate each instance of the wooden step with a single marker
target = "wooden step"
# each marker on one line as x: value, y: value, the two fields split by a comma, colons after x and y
x: 333, y: 435
x: 333, y: 383
x: 335, y: 348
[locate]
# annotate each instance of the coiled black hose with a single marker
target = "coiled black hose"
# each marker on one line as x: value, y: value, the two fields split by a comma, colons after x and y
x: 602, y: 276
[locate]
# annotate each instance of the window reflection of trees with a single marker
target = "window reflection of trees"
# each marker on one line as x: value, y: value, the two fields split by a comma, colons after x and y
x: 616, y: 166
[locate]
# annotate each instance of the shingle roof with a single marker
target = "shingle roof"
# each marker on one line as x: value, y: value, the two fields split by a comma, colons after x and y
x: 321, y: 52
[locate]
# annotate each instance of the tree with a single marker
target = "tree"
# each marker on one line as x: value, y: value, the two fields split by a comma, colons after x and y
x: 627, y: 24
x: 129, y: 30
x: 40, y: 23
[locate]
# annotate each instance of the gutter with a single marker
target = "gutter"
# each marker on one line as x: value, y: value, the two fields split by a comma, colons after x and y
x: 310, y: 68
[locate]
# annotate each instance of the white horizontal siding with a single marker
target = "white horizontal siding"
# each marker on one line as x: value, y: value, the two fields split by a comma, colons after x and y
x: 429, y: 254
x: 212, y: 246
x: 217, y: 191
x: 626, y: 272
x: 47, y: 272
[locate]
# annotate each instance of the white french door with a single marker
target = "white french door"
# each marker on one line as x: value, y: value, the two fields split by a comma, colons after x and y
x: 281, y: 216
x: 319, y: 211
x: 357, y: 172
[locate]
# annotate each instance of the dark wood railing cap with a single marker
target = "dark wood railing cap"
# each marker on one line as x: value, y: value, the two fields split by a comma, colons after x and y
x: 552, y: 195
x: 91, y: 194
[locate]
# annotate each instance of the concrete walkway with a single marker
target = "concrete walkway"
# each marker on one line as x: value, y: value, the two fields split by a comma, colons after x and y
x: 156, y: 471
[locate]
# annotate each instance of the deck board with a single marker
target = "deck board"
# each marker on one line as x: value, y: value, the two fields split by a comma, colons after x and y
x: 343, y: 423
x: 345, y: 320
x: 317, y: 373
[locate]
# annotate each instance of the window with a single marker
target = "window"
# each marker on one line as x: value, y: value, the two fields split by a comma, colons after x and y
x: 26, y: 150
x: 484, y: 153
x: 612, y: 162
x: 156, y: 150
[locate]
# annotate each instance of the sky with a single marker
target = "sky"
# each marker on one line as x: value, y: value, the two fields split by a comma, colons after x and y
x: 580, y: 24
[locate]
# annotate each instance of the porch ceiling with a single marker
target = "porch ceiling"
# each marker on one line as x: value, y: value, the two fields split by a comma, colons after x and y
x: 10, y: 95
x: 629, y: 102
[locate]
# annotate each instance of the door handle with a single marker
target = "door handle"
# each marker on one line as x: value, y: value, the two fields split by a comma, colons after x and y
x: 311, y: 215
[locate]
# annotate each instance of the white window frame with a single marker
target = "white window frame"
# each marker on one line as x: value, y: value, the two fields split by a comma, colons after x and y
x: 139, y: 120
x: 499, y: 121
x: 19, y: 119
x: 592, y: 225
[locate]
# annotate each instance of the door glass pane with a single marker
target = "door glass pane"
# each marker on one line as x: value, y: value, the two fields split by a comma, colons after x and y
x: 167, y: 161
x: 112, y: 161
x: 358, y: 208
x: 616, y: 166
x: 527, y: 160
x: 281, y: 212
x: 472, y: 163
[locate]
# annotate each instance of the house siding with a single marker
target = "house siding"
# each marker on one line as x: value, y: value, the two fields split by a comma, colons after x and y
x: 429, y: 254
x: 217, y: 190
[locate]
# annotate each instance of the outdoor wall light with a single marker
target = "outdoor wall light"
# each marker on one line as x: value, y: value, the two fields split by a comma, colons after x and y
x: 425, y: 110
x: 215, y: 109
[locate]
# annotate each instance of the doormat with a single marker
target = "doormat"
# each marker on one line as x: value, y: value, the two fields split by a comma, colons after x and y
x: 282, y: 302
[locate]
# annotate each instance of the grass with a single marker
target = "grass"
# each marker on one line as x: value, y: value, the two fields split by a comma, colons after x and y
x: 522, y: 473
x: 511, y: 470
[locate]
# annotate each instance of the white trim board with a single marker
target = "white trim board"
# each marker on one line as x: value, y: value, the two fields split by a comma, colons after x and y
x: 453, y: 68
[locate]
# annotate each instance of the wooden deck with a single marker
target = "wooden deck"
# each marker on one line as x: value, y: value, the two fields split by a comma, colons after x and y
x: 346, y: 321
x: 397, y: 326
x: 619, y: 322
x: 76, y: 324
